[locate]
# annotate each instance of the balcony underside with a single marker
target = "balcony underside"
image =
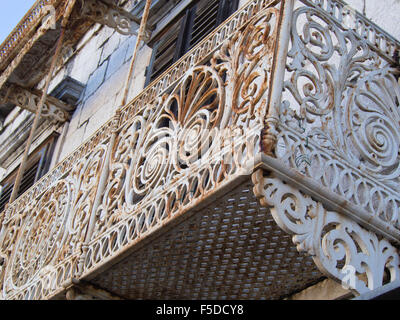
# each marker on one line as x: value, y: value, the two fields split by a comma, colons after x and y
x: 231, y: 249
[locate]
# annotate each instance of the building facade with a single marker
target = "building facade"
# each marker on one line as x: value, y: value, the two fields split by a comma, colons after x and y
x: 200, y: 149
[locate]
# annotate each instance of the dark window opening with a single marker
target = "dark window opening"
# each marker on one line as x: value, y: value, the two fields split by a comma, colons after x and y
x: 37, y: 166
x: 5, y: 110
x: 192, y: 26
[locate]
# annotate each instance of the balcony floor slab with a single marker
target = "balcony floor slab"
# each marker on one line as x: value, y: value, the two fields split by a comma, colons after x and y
x: 232, y: 249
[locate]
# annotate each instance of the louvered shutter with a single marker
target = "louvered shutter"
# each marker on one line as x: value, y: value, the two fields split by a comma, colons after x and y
x: 38, y: 166
x: 164, y: 52
x: 205, y: 21
x: 5, y: 196
x: 196, y: 23
x: 29, y: 178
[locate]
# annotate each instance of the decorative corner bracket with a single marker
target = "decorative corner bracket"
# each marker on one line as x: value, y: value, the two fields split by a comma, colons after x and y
x: 53, y: 109
x: 340, y: 247
x: 112, y: 16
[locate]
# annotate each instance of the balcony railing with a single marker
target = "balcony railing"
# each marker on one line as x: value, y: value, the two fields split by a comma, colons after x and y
x: 292, y: 90
x: 25, y: 27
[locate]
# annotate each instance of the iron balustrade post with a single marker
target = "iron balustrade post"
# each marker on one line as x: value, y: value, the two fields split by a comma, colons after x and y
x: 277, y: 76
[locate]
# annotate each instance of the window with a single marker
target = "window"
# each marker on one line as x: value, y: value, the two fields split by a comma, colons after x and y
x: 37, y: 166
x: 186, y: 31
x: 5, y: 110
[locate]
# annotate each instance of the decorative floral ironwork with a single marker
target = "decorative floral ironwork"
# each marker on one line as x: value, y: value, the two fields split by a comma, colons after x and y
x: 199, y: 126
x: 178, y: 149
x: 347, y: 100
x: 166, y: 157
x: 335, y: 242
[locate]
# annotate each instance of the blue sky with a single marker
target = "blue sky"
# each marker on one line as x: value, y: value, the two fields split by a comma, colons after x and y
x: 11, y: 13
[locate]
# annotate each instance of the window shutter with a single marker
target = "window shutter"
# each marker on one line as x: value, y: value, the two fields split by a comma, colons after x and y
x: 164, y: 52
x: 38, y: 167
x: 27, y: 181
x: 196, y: 23
x: 205, y: 21
x: 29, y: 178
x: 5, y: 196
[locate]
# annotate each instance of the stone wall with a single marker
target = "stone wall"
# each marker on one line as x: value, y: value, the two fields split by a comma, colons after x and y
x: 101, y: 64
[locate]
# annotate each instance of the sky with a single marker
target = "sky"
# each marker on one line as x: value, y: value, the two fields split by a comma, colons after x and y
x: 11, y: 12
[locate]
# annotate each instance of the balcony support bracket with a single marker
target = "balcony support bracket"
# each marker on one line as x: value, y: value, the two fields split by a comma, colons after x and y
x: 112, y: 16
x: 53, y: 108
x: 346, y: 251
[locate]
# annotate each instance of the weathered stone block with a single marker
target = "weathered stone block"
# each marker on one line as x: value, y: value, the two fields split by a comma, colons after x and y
x: 142, y: 61
x: 99, y: 118
x: 96, y: 79
x: 358, y: 5
x: 103, y: 35
x: 85, y: 62
x: 117, y: 59
x: 105, y: 96
x: 132, y: 42
x: 110, y: 46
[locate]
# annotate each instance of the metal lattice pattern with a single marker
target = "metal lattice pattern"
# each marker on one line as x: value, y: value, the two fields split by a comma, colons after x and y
x: 231, y: 250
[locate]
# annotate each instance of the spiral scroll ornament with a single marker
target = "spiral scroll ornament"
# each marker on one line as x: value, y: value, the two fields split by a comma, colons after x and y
x: 41, y: 236
x: 374, y: 122
x: 346, y: 98
x: 246, y: 60
x: 335, y: 242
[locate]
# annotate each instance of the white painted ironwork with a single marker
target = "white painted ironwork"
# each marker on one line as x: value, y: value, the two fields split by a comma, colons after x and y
x: 155, y: 172
x: 285, y: 78
x: 337, y: 244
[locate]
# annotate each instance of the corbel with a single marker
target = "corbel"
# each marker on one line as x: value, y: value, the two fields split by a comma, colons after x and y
x: 113, y: 16
x: 53, y: 108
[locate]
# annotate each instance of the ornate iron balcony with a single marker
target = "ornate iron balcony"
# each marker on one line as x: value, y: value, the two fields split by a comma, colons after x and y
x: 285, y: 102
